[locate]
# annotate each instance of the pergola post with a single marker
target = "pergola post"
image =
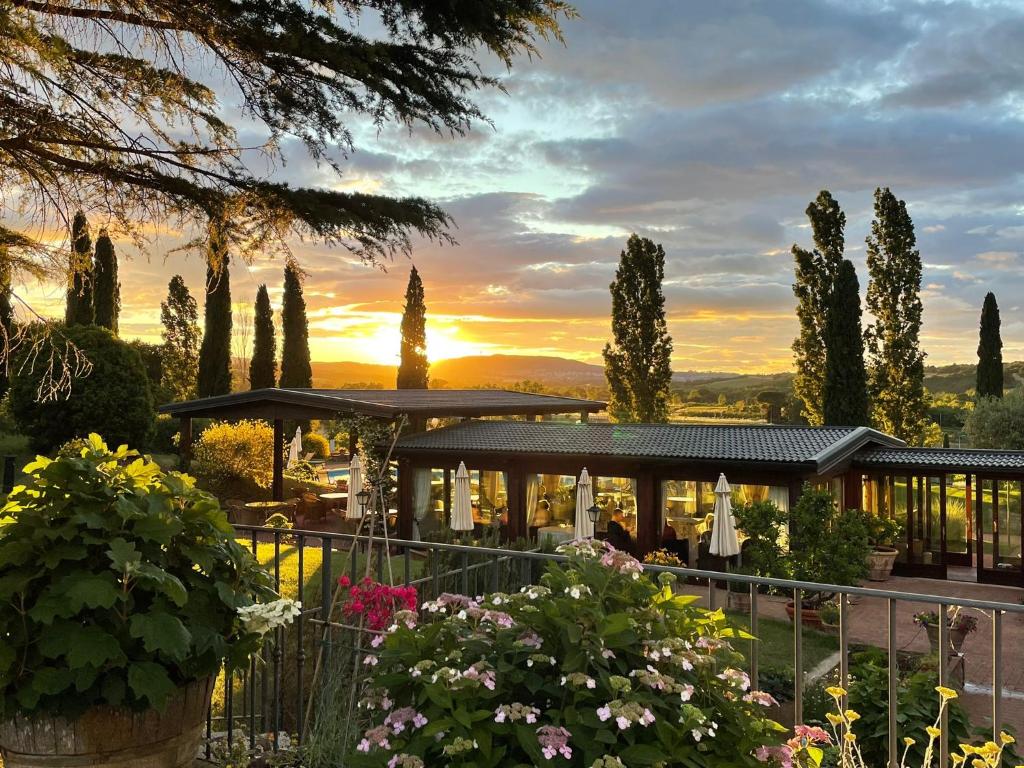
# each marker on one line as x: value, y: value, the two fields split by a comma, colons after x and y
x: 648, y: 517
x: 584, y: 417
x: 185, y: 442
x: 353, y: 442
x: 516, y: 528
x: 405, y: 510
x: 278, y: 481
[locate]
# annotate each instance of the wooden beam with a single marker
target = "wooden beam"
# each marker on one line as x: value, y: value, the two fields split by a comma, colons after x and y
x: 647, y: 517
x: 584, y: 417
x: 405, y: 511
x: 516, y: 503
x: 852, y: 490
x: 277, y: 487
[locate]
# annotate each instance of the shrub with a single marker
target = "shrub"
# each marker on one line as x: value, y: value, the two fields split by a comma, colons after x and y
x: 316, y: 444
x: 765, y: 525
x: 998, y: 422
x: 829, y: 545
x: 114, y: 398
x: 235, y: 459
x: 165, y: 436
x: 597, y: 665
x: 119, y: 583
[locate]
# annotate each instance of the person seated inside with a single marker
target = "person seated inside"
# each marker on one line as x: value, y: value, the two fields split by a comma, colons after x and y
x: 672, y: 544
x: 619, y: 537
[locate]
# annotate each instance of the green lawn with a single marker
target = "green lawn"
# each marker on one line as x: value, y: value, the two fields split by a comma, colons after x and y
x: 776, y: 642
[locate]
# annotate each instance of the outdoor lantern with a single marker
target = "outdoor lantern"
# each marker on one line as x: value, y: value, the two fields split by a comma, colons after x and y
x: 594, y: 512
x: 363, y: 497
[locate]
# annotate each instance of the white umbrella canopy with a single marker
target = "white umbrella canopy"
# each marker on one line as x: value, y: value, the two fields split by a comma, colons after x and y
x: 724, y: 541
x: 462, y: 504
x: 584, y: 501
x: 294, y: 450
x: 355, y: 485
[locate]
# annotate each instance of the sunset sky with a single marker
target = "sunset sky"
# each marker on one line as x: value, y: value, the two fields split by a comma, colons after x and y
x: 707, y: 127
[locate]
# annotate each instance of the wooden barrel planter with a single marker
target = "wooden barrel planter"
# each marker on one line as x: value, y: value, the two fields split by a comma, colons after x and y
x: 110, y: 737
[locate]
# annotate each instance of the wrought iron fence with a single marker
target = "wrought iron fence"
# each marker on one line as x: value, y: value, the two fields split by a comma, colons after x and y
x: 273, y: 695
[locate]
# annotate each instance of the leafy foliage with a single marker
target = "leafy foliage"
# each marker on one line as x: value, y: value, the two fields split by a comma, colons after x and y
x: 845, y: 389
x: 296, y: 370
x: 118, y: 584
x: 315, y: 443
x: 413, y: 368
x: 229, y: 456
x: 263, y: 367
x: 114, y: 397
x: 998, y: 422
x: 79, y: 309
x: 180, y: 318
x: 107, y: 293
x: 595, y: 665
x: 214, y: 374
x: 990, y: 351
x: 816, y: 273
x: 764, y: 523
x: 830, y: 545
x: 637, y: 362
x: 896, y: 362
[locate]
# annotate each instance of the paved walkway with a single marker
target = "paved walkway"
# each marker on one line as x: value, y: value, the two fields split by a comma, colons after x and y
x: 869, y: 623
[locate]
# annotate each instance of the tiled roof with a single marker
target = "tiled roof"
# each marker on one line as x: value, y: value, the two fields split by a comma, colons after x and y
x: 819, y: 447
x: 943, y: 459
x: 391, y: 402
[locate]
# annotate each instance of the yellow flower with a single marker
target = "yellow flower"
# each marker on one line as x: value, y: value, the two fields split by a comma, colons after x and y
x: 851, y: 715
x: 946, y: 693
x: 957, y: 759
x: 850, y: 737
x: 908, y: 742
x: 990, y: 749
x: 968, y: 749
x: 835, y: 691
x: 933, y: 731
x: 834, y: 718
x: 1006, y: 738
x: 978, y: 763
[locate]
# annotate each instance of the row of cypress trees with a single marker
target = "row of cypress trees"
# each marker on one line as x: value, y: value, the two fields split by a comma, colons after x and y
x: 296, y: 370
x: 94, y: 293
x: 846, y: 375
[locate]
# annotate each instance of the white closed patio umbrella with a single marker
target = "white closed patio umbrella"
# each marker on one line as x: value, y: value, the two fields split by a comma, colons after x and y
x: 462, y: 504
x: 724, y: 542
x: 355, y: 485
x: 295, y: 448
x: 584, y: 501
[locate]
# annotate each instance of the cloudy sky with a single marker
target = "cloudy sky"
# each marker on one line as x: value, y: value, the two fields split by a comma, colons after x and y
x: 707, y: 127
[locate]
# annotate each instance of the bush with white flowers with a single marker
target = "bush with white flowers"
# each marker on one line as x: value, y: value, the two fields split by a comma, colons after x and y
x: 597, y: 666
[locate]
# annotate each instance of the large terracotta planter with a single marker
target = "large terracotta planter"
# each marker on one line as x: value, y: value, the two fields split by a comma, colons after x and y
x: 880, y: 563
x: 808, y: 616
x: 110, y: 737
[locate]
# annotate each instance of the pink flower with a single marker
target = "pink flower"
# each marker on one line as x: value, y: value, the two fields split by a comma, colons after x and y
x: 763, y: 698
x: 782, y: 755
x: 622, y: 722
x: 554, y: 740
x: 812, y: 734
x: 603, y: 713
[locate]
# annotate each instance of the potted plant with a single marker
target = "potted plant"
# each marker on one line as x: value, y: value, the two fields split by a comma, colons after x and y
x: 959, y: 624
x: 739, y: 591
x: 883, y: 533
x: 828, y: 613
x: 122, y: 591
x: 828, y: 546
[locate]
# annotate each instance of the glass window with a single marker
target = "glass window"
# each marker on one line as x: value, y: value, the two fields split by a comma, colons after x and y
x: 616, y: 496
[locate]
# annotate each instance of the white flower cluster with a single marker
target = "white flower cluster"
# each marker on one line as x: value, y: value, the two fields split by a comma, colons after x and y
x: 261, y: 618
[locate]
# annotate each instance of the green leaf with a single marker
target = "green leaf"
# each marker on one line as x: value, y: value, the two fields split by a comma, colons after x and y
x: 164, y: 582
x: 642, y: 754
x: 161, y: 633
x: 54, y: 555
x: 815, y: 754
x: 157, y: 528
x: 121, y: 553
x: 113, y: 689
x: 51, y: 681
x: 7, y: 657
x: 90, y: 590
x: 92, y: 645
x: 151, y: 682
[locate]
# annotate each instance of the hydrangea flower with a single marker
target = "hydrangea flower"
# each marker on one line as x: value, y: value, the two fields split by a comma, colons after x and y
x: 554, y: 740
x: 263, y: 618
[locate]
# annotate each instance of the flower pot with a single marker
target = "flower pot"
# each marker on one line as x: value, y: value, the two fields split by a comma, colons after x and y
x: 809, y: 616
x: 880, y: 563
x: 956, y: 638
x: 110, y: 737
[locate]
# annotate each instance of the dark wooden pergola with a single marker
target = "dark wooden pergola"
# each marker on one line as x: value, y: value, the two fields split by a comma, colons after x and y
x: 418, y: 405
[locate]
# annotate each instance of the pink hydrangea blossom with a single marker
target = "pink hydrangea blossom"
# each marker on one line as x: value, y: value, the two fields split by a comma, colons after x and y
x: 554, y: 740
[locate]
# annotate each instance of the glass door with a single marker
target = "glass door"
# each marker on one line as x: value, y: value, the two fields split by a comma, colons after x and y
x: 998, y: 537
x: 956, y: 493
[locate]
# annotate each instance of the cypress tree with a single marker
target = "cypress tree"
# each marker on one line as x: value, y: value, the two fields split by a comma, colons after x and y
x: 180, y: 355
x: 79, y: 310
x: 215, y: 353
x: 990, y: 351
x: 413, y: 370
x: 6, y: 321
x: 263, y: 367
x: 637, y: 363
x: 845, y: 387
x: 296, y: 370
x: 107, y: 293
x: 896, y: 362
x: 816, y: 271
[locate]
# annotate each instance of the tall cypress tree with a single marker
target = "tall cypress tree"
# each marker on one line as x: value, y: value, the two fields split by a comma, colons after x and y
x: 263, y: 366
x: 845, y: 387
x: 816, y: 272
x: 79, y: 309
x: 990, y: 351
x: 215, y: 352
x: 413, y: 369
x: 296, y: 370
x: 180, y: 355
x: 107, y: 293
x: 637, y: 363
x: 6, y: 321
x: 896, y: 362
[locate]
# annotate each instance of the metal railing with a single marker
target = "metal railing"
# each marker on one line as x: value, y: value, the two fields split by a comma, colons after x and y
x: 258, y: 701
